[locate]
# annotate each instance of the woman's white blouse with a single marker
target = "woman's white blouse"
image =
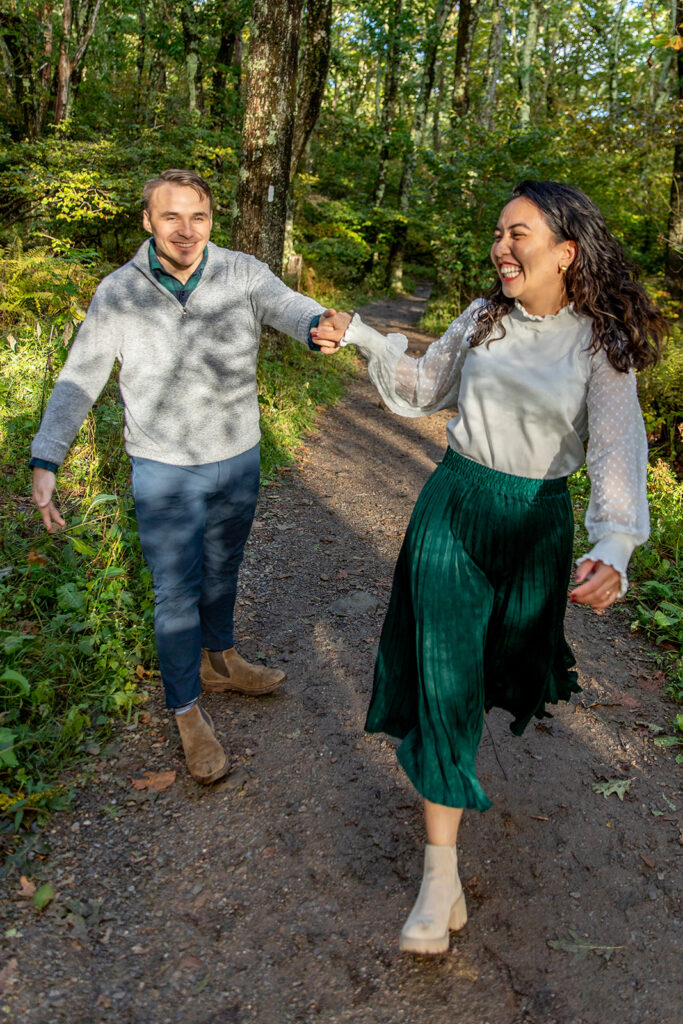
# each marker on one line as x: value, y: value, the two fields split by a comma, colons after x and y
x: 527, y: 403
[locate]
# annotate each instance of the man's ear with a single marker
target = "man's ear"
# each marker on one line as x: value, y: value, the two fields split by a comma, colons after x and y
x: 146, y: 223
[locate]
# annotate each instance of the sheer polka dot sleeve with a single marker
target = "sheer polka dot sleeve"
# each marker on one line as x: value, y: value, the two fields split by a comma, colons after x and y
x: 414, y: 387
x: 617, y: 518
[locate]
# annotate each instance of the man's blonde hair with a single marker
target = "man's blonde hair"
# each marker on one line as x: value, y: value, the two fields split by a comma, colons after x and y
x: 176, y: 176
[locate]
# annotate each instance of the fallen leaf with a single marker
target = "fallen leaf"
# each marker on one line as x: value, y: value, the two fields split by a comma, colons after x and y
x: 27, y: 889
x: 8, y: 976
x: 629, y: 702
x: 189, y: 962
x: 652, y: 864
x: 155, y: 780
x: 11, y: 341
x: 580, y: 947
x: 28, y: 626
x: 609, y: 786
x: 35, y: 558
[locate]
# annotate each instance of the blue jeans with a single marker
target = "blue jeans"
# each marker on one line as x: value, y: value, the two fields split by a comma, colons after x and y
x: 193, y: 523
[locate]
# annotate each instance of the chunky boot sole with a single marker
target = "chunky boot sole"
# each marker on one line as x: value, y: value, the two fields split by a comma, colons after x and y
x: 219, y: 685
x: 456, y: 921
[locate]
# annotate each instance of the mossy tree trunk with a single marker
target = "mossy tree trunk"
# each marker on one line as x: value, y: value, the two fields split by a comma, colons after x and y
x: 267, y: 131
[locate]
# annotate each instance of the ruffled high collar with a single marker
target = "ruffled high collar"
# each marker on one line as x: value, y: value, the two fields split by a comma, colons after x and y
x: 568, y: 309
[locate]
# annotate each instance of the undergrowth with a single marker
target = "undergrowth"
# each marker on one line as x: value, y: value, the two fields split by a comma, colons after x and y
x: 76, y: 624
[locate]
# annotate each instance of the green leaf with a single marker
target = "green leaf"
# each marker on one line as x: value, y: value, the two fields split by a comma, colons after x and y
x: 618, y: 786
x: 70, y: 597
x: 81, y: 546
x: 8, y: 759
x: 43, y: 895
x: 10, y: 676
x: 667, y: 741
x: 101, y: 499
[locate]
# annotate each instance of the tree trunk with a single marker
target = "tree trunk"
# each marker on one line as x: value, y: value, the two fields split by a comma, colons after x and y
x: 188, y: 20
x: 613, y: 72
x: 660, y: 96
x: 393, y: 61
x: 525, y: 64
x: 468, y: 16
x: 19, y: 75
x: 494, y: 60
x: 66, y: 64
x: 267, y: 132
x: 674, y: 247
x: 314, y: 65
x: 233, y: 19
x: 432, y: 40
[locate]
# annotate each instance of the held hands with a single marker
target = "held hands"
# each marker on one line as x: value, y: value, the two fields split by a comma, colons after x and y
x: 43, y: 486
x: 599, y: 585
x: 330, y: 330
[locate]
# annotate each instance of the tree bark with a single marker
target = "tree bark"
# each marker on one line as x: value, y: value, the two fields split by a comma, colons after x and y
x: 613, y: 67
x: 431, y: 48
x: 674, y: 247
x: 393, y: 63
x: 468, y: 16
x: 314, y: 65
x: 267, y: 131
x: 66, y: 64
x: 233, y: 18
x: 494, y: 60
x: 525, y: 64
x: 188, y: 20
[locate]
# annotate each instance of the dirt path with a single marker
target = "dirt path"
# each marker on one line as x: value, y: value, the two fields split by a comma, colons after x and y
x: 277, y: 895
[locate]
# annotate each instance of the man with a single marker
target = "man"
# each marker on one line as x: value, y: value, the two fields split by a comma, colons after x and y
x: 183, y: 318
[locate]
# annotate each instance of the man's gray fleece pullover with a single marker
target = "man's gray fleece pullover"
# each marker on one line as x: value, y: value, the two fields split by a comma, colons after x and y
x: 187, y: 375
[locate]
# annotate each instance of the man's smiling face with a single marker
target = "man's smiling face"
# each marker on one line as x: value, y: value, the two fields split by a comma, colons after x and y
x: 179, y: 219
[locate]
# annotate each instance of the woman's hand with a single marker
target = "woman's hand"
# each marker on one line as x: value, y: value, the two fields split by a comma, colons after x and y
x: 599, y: 585
x: 330, y: 330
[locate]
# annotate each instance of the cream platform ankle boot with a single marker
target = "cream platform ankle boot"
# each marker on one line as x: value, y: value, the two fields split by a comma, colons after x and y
x: 440, y: 904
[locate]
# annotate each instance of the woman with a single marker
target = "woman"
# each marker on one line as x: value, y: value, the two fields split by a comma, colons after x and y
x: 542, y: 364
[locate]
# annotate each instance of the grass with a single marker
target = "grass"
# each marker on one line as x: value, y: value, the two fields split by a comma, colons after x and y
x: 76, y: 608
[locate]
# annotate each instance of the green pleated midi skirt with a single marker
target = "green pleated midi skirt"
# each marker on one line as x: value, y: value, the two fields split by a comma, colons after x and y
x: 475, y: 621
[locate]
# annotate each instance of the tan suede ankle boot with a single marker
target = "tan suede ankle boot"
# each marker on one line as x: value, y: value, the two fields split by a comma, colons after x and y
x: 440, y: 904
x: 205, y: 757
x: 223, y: 671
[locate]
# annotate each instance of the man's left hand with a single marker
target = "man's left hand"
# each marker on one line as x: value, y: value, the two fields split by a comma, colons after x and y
x: 330, y: 330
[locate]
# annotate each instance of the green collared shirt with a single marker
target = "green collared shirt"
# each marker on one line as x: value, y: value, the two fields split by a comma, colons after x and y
x: 181, y: 291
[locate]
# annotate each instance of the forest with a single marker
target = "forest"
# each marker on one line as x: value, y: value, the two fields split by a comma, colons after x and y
x: 355, y: 147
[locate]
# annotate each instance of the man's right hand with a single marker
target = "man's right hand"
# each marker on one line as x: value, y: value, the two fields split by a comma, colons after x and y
x: 43, y: 485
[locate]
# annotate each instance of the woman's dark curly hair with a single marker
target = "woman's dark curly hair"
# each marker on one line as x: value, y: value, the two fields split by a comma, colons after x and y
x: 601, y: 281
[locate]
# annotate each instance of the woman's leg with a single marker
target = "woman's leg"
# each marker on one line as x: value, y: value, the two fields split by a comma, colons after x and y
x: 440, y: 904
x: 442, y: 823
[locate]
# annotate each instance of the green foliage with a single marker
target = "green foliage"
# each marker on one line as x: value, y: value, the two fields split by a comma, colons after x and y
x: 656, y: 569
x: 661, y: 397
x: 85, y: 192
